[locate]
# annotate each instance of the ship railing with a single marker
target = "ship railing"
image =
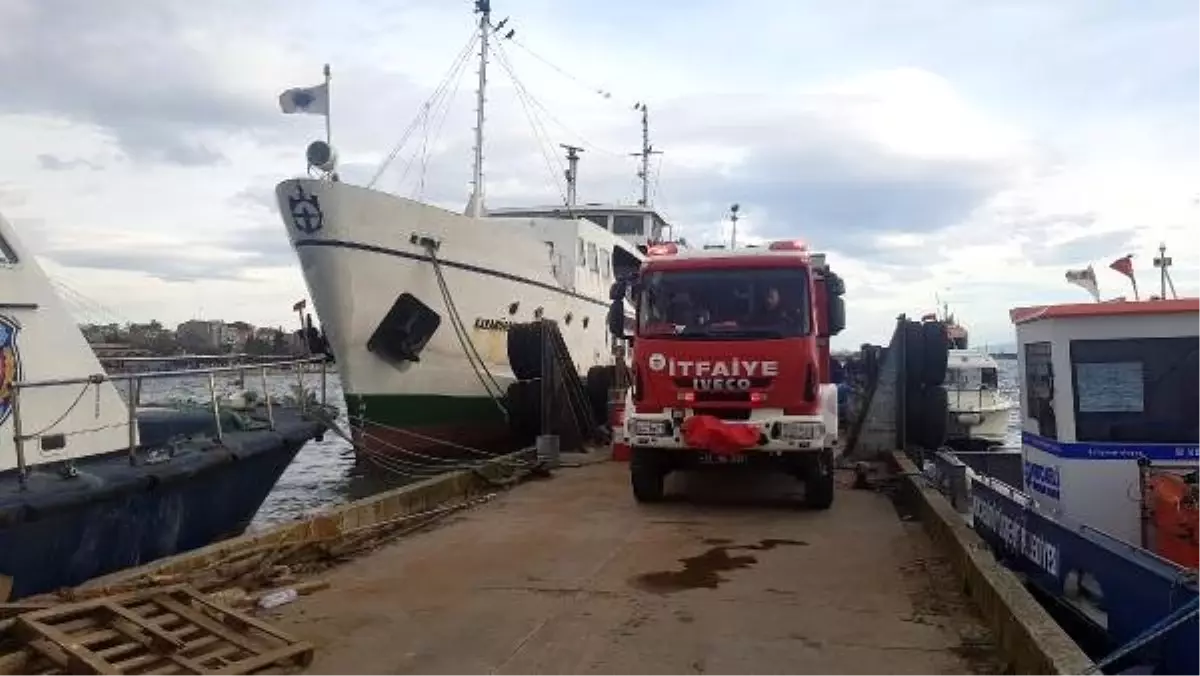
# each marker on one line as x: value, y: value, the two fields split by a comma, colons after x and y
x: 133, y: 388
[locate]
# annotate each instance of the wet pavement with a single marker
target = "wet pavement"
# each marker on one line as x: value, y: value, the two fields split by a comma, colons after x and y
x: 570, y: 575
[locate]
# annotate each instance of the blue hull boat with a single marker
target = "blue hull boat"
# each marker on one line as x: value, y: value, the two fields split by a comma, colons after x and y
x: 66, y: 524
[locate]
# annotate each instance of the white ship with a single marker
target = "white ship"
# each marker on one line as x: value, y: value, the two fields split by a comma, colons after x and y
x: 392, y: 279
x: 979, y: 412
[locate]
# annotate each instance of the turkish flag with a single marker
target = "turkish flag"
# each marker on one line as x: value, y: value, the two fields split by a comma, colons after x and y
x: 1123, y: 265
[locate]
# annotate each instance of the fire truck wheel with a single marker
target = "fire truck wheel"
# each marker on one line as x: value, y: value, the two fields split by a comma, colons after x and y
x: 647, y: 475
x: 819, y: 482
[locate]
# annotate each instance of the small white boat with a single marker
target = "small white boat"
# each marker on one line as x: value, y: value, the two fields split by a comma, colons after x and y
x: 979, y: 412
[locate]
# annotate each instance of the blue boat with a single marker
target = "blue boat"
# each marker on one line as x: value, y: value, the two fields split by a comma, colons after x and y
x: 1104, y: 523
x: 91, y: 482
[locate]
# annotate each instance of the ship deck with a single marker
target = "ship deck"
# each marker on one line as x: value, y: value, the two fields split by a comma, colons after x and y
x: 570, y: 575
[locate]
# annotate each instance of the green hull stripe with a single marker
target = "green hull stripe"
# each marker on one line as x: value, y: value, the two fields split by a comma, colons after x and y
x: 417, y: 410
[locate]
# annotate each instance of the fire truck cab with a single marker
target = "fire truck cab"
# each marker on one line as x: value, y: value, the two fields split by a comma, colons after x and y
x: 730, y: 364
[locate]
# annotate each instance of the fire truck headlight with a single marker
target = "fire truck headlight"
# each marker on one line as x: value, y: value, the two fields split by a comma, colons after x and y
x: 802, y: 430
x: 651, y: 428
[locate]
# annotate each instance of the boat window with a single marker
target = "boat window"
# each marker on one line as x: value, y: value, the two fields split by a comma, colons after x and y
x: 582, y: 255
x: 592, y: 262
x: 599, y: 219
x: 1136, y: 390
x: 1039, y: 389
x: 990, y: 378
x: 605, y: 264
x: 7, y: 255
x: 625, y: 224
x: 963, y: 378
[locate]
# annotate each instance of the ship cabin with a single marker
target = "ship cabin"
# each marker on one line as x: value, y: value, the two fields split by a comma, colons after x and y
x: 1108, y: 407
x: 596, y: 256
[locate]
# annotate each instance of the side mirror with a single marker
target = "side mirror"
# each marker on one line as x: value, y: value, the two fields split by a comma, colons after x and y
x: 834, y: 284
x: 837, y: 315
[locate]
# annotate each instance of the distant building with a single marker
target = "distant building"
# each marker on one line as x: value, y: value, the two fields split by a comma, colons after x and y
x: 202, y: 336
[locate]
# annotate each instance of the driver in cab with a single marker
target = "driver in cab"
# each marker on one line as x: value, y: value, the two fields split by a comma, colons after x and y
x: 774, y: 311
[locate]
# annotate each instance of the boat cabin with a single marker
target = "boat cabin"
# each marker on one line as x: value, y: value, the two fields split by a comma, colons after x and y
x: 971, y: 370
x: 1104, y: 386
x: 40, y: 341
x: 635, y: 227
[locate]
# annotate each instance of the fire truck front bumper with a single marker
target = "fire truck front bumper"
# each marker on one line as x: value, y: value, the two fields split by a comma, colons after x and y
x: 776, y: 434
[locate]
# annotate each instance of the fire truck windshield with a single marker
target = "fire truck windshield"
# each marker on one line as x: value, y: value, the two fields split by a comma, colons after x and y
x: 725, y: 304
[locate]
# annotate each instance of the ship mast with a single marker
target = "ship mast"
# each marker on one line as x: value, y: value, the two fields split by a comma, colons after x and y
x: 475, y: 206
x: 647, y: 151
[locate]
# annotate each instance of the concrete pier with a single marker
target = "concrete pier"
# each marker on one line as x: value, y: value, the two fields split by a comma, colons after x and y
x: 570, y: 575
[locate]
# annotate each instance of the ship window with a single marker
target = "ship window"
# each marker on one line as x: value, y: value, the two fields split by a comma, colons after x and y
x: 7, y: 255
x: 627, y: 224
x: 991, y: 379
x: 1136, y: 390
x: 592, y: 262
x: 605, y: 264
x: 1039, y: 389
x: 599, y: 219
x: 582, y: 255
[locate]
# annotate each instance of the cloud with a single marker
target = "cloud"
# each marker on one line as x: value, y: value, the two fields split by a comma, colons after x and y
x: 54, y: 163
x: 919, y: 147
x: 165, y: 265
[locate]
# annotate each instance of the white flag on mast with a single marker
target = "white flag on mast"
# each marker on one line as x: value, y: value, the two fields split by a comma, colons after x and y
x: 1087, y: 279
x: 310, y: 100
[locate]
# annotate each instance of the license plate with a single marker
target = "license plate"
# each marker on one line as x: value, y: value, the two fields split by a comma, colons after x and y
x: 718, y: 459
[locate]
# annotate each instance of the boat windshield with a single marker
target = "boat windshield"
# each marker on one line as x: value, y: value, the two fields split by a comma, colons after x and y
x: 1139, y: 390
x: 725, y: 304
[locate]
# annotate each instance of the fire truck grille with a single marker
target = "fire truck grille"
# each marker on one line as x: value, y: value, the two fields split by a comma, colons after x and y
x: 725, y: 413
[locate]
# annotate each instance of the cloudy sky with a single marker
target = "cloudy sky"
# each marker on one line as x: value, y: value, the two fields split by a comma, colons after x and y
x: 968, y: 149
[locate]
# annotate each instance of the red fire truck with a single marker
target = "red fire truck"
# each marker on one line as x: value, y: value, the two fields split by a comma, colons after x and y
x: 731, y: 364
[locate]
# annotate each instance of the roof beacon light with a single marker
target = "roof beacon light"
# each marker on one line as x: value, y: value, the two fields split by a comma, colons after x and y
x: 788, y: 245
x: 668, y: 249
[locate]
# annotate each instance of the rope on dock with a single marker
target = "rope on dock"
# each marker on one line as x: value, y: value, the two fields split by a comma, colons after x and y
x: 430, y: 465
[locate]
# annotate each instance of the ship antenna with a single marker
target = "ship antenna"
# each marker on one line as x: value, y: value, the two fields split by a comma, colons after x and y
x: 572, y: 172
x: 647, y: 151
x: 475, y: 206
x: 1163, y: 262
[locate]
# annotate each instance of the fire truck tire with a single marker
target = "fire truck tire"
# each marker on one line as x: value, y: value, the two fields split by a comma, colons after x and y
x: 647, y: 475
x: 819, y: 482
x: 937, y: 353
x: 599, y: 383
x: 914, y: 353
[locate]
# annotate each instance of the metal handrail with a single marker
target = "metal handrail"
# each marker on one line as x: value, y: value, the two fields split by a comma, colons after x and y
x: 106, y: 377
x: 134, y: 381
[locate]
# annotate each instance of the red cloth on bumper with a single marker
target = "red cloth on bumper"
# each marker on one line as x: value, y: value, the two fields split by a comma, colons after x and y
x: 717, y: 436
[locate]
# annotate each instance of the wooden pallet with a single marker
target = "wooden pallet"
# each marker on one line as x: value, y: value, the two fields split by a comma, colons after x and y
x: 169, y: 630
